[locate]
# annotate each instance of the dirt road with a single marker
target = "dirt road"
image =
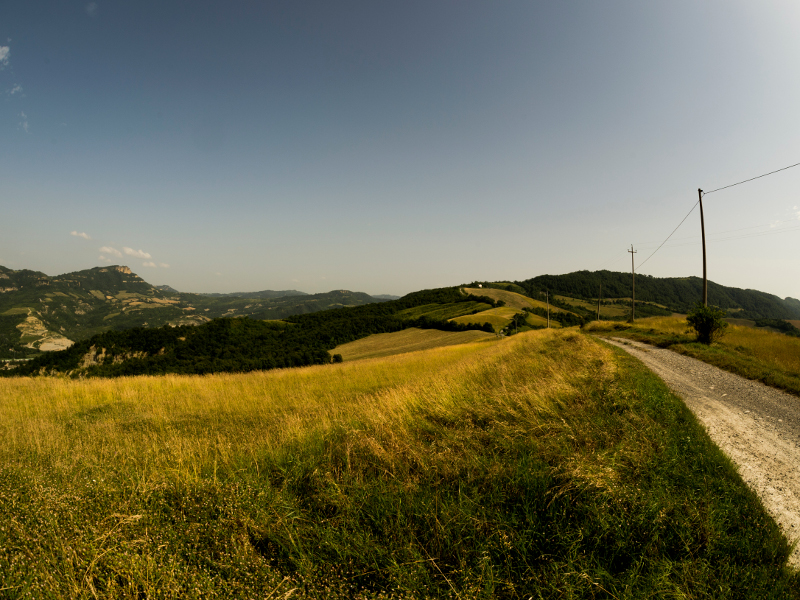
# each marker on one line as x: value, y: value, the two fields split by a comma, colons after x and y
x: 758, y: 427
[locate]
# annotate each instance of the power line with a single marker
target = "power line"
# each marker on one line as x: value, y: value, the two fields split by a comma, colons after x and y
x: 716, y: 235
x: 702, y: 193
x: 751, y: 179
x: 670, y: 235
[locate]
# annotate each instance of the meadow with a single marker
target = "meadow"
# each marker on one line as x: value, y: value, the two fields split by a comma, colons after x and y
x: 755, y: 353
x: 408, y: 340
x: 512, y: 299
x: 498, y: 317
x: 545, y: 465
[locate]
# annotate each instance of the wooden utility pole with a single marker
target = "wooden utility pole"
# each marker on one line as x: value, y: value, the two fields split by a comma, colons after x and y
x: 599, y: 294
x: 703, y: 232
x: 633, y: 286
x: 547, y: 295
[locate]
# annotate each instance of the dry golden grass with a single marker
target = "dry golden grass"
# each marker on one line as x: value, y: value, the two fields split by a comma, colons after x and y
x: 407, y: 340
x: 539, y: 321
x: 498, y: 317
x: 606, y: 310
x: 772, y: 349
x: 379, y: 471
x: 512, y: 299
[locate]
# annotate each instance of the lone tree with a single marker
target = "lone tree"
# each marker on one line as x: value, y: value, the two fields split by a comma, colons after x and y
x: 707, y: 322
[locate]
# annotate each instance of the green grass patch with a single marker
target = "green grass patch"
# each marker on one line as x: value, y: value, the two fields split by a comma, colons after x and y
x: 15, y: 311
x: 498, y: 317
x: 443, y: 312
x: 546, y: 465
x: 407, y: 340
x: 754, y: 353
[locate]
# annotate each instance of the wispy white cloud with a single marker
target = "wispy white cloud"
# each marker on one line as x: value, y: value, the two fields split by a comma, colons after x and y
x: 149, y: 264
x: 91, y: 9
x: 136, y: 253
x: 163, y: 265
x: 5, y: 52
x: 23, y: 122
x: 82, y: 234
x: 17, y: 89
x: 112, y: 251
x: 101, y: 257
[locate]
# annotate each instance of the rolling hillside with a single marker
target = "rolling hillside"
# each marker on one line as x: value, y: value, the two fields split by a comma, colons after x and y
x: 38, y: 312
x: 677, y: 294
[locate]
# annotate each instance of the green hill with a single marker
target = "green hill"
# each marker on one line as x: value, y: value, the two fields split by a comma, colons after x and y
x: 246, y: 344
x: 677, y: 294
x: 38, y: 312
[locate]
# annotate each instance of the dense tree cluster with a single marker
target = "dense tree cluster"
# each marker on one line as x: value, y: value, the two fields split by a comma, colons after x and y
x: 241, y: 344
x: 677, y: 293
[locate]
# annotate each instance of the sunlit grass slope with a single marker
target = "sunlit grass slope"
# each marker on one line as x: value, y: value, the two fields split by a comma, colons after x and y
x: 606, y: 310
x: 443, y: 311
x: 547, y: 465
x: 755, y: 353
x: 407, y: 340
x: 512, y: 299
x: 498, y: 317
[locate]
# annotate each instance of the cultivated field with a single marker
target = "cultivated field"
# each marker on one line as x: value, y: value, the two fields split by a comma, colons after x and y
x: 498, y: 317
x: 512, y: 299
x: 606, y: 310
x: 407, y: 340
x: 545, y: 465
x: 443, y: 311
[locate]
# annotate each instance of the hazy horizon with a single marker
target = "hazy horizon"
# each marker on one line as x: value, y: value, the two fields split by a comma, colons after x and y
x: 389, y: 148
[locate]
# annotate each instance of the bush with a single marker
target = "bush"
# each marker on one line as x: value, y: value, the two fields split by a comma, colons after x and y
x: 707, y: 322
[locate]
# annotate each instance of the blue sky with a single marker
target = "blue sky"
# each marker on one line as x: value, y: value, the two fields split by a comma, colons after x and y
x: 389, y: 147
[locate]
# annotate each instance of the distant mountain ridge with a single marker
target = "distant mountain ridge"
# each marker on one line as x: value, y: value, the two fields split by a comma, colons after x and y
x: 261, y: 294
x: 39, y: 312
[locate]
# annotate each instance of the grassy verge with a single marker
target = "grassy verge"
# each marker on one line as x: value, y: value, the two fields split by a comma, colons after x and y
x: 770, y: 357
x: 545, y: 466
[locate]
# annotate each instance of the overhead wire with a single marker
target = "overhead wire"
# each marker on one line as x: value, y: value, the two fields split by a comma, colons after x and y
x: 670, y: 235
x: 751, y: 179
x: 702, y: 193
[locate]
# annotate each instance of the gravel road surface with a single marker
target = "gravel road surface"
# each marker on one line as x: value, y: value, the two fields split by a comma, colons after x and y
x: 757, y: 426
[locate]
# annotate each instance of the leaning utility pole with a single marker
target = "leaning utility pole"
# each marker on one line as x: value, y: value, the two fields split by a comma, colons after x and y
x: 599, y: 294
x: 703, y: 231
x: 633, y: 286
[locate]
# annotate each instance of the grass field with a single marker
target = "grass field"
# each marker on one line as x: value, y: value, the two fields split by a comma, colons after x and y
x: 443, y: 311
x: 755, y: 353
x: 512, y: 299
x: 407, y: 340
x: 547, y: 465
x: 606, y: 310
x: 498, y: 317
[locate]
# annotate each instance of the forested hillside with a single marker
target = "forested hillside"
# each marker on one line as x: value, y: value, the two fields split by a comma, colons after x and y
x: 243, y: 344
x: 676, y: 293
x: 38, y: 312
